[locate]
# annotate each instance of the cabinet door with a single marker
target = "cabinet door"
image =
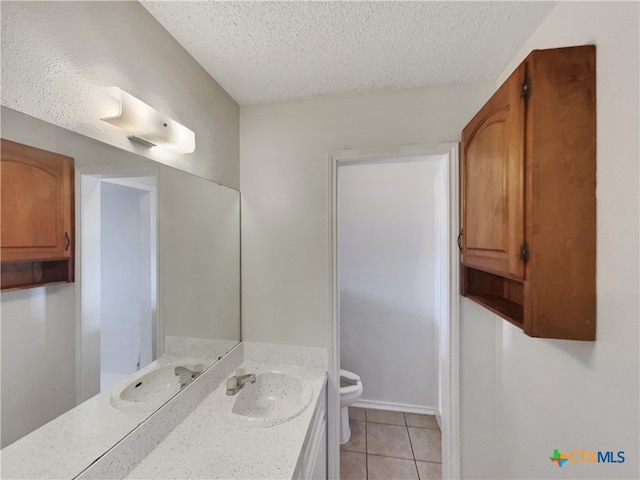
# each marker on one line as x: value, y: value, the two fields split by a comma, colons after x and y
x: 37, y: 196
x: 491, y: 178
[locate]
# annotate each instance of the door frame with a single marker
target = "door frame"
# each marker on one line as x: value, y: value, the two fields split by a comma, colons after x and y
x: 449, y: 373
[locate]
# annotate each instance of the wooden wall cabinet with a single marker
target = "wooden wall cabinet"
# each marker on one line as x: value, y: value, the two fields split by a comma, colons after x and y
x: 36, y: 215
x: 528, y: 203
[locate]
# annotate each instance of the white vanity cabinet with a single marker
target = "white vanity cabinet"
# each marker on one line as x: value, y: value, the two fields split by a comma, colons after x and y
x: 312, y: 463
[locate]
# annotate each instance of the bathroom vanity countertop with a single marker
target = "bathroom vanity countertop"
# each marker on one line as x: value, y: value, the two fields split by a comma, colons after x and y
x: 207, y: 446
x: 65, y: 446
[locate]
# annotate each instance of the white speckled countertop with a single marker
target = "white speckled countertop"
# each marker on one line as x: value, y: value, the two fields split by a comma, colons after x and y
x: 186, y: 438
x: 67, y: 445
x: 206, y: 446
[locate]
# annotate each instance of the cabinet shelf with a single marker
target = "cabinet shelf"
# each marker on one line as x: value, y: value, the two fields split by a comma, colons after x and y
x: 34, y: 274
x: 510, y: 311
x: 502, y: 296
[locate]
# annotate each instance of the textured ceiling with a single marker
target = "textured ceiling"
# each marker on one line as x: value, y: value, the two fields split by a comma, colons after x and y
x: 263, y: 52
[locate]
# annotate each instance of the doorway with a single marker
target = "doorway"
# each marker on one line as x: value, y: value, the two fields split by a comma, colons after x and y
x: 445, y: 291
x: 118, y: 328
x: 388, y: 233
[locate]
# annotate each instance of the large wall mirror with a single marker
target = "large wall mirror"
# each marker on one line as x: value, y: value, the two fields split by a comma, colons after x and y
x: 157, y: 285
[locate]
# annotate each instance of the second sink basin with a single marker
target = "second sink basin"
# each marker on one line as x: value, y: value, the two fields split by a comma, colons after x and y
x: 274, y: 398
x: 149, y: 391
x: 152, y: 389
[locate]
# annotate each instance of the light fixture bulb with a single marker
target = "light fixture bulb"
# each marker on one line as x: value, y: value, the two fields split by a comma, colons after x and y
x: 145, y: 124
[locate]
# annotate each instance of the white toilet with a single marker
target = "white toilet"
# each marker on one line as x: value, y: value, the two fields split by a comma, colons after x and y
x: 350, y: 391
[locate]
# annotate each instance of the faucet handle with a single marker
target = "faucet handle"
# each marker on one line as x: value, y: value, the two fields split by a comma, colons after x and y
x: 232, y: 383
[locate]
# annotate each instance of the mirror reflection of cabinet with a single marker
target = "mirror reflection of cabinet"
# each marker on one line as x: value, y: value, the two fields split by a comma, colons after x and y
x: 528, y: 205
x: 37, y: 237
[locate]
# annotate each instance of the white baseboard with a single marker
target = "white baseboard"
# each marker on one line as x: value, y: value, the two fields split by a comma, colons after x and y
x: 395, y: 407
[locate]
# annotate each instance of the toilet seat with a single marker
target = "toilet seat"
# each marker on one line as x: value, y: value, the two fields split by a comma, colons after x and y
x: 349, y: 383
x: 346, y: 374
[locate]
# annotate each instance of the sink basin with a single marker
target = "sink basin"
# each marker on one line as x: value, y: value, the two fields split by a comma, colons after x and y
x: 149, y: 391
x: 274, y: 398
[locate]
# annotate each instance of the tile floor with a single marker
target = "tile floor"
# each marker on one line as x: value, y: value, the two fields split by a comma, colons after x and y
x: 391, y: 445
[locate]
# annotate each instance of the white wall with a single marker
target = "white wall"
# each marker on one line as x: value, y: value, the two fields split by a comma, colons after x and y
x: 200, y: 231
x: 57, y: 55
x: 285, y: 187
x: 387, y: 249
x: 522, y: 397
x: 38, y: 358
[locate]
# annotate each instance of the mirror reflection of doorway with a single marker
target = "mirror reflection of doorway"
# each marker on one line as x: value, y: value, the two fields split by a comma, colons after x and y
x: 119, y: 328
x: 127, y: 306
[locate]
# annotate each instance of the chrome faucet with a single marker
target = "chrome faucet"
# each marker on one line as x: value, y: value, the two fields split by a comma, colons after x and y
x: 186, y: 375
x: 235, y: 383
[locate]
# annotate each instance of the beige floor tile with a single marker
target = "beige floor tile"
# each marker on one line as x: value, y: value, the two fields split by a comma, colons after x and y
x: 386, y: 468
x: 382, y: 416
x: 353, y: 466
x: 421, y: 421
x: 356, y: 413
x: 427, y: 444
x: 429, y: 471
x: 388, y: 440
x: 358, y: 440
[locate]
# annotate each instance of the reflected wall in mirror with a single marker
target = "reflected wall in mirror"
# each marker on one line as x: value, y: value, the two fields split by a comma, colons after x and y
x: 157, y: 283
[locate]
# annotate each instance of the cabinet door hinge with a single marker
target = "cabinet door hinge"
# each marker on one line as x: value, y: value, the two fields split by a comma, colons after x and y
x: 524, y: 252
x: 525, y: 89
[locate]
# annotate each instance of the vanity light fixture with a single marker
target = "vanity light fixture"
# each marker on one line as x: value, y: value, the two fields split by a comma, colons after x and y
x: 144, y: 124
